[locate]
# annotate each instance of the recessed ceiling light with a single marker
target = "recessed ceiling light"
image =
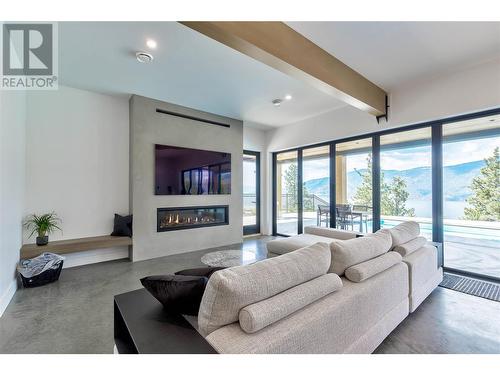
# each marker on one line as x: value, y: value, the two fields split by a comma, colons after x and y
x: 151, y: 43
x: 277, y: 102
x: 288, y: 97
x: 144, y: 57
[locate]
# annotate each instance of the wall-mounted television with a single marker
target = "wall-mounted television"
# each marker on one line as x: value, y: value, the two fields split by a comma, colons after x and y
x: 188, y: 171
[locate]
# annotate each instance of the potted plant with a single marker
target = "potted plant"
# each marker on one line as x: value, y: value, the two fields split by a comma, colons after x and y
x: 43, y: 225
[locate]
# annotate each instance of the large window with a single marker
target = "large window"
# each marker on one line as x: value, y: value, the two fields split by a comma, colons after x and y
x: 444, y: 175
x: 471, y: 195
x: 353, y: 182
x: 406, y: 179
x: 287, y: 200
x: 316, y: 186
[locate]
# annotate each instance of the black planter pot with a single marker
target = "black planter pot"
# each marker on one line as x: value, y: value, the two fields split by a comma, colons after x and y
x: 42, y: 241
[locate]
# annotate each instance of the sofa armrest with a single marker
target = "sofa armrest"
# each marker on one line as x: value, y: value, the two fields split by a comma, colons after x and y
x: 338, y: 234
x: 440, y: 254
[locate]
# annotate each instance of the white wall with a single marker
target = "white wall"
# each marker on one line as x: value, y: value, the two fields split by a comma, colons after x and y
x: 77, y: 164
x: 12, y: 182
x: 149, y: 128
x: 474, y: 89
x: 256, y: 140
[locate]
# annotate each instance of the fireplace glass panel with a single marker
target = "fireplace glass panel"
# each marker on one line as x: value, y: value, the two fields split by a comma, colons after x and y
x: 191, y: 217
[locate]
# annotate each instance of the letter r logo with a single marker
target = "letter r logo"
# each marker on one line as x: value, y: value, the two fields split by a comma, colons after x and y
x: 27, y: 49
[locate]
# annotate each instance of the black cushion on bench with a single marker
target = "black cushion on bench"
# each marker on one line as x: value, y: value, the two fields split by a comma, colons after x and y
x: 177, y: 293
x: 122, y: 226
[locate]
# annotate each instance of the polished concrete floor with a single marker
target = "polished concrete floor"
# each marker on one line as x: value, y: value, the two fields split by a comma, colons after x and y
x: 75, y: 314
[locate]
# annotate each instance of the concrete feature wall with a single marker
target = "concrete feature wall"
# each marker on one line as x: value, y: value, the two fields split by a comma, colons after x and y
x: 147, y: 128
x: 12, y: 182
x: 77, y: 156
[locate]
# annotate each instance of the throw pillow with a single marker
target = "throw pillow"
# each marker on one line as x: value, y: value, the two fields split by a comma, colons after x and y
x: 122, y: 226
x: 177, y: 293
x: 202, y: 271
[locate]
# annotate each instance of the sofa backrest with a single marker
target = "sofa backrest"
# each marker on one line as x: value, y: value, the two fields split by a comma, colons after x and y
x: 350, y: 252
x: 230, y: 290
x: 404, y: 232
x: 335, y: 233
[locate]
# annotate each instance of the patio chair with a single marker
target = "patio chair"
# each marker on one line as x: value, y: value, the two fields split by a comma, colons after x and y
x: 323, y: 215
x: 344, y: 216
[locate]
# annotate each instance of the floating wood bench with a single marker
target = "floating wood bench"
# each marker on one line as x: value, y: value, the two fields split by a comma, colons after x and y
x: 74, y: 245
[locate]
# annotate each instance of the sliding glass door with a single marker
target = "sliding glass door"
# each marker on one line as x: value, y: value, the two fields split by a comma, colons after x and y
x: 316, y: 186
x: 406, y: 179
x: 251, y: 192
x: 471, y: 194
x: 287, y: 194
x: 353, y: 183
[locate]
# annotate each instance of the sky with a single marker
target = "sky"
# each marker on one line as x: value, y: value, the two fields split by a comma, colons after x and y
x: 453, y: 154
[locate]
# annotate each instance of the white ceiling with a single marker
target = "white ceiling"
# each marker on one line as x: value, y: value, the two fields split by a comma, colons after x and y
x: 391, y: 54
x: 195, y: 71
x: 189, y: 69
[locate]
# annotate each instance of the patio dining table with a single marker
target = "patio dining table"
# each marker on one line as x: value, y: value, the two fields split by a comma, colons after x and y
x: 363, y: 216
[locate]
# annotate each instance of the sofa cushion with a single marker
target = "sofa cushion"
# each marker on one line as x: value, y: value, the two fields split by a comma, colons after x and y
x: 229, y: 290
x: 334, y: 233
x: 410, y: 246
x: 261, y: 314
x: 362, y: 271
x: 404, y: 232
x: 286, y: 245
x: 350, y: 252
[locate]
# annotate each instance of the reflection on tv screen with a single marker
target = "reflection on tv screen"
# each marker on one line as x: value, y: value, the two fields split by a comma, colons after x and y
x: 188, y: 171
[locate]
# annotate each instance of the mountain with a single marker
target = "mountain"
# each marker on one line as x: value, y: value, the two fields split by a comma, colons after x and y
x: 457, y: 179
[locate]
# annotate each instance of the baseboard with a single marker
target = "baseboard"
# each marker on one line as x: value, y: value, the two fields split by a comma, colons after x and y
x: 95, y: 256
x: 7, y: 296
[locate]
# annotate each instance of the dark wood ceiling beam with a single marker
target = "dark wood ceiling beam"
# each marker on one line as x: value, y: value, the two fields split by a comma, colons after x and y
x: 279, y: 46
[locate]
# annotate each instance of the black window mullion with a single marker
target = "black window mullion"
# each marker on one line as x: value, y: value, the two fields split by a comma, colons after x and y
x: 376, y: 182
x: 333, y: 196
x: 300, y: 208
x: 437, y: 183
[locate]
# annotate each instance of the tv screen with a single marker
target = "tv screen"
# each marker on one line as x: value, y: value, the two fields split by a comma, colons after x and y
x: 188, y: 171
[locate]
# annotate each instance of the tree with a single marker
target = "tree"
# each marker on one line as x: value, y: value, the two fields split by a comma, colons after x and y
x: 393, y: 196
x: 363, y: 195
x: 485, y: 199
x: 291, y: 184
x: 396, y: 198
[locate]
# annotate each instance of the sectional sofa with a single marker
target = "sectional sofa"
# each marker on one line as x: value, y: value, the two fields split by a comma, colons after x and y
x: 326, y: 291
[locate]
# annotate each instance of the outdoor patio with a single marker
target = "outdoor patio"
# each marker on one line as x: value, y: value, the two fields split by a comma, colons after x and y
x: 472, y: 246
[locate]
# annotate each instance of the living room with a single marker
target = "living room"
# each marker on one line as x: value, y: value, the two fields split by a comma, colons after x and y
x: 302, y: 187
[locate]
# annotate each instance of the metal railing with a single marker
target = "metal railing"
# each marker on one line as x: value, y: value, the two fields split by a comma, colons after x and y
x: 288, y: 202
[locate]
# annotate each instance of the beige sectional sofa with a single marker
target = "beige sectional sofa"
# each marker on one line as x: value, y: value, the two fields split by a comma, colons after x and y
x: 331, y: 296
x: 419, y: 255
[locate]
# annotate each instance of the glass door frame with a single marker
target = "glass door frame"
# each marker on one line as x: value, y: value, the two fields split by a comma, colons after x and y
x: 254, y: 229
x: 436, y: 127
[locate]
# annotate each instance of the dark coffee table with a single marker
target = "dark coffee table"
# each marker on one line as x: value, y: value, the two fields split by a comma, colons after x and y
x: 143, y: 326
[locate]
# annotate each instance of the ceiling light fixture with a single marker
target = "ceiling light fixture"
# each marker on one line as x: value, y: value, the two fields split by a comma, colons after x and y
x: 151, y: 43
x: 144, y: 57
x: 288, y: 97
x: 277, y: 102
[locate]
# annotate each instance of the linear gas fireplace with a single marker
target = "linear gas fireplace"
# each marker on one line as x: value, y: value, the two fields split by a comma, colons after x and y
x: 175, y: 218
